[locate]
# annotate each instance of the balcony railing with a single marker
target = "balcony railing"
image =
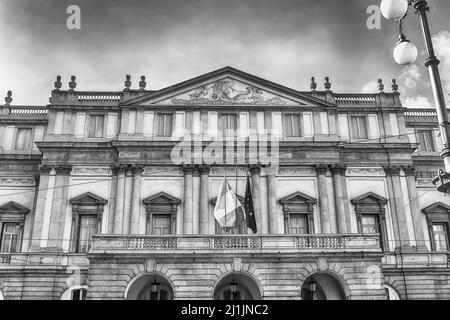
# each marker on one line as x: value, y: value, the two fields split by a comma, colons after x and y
x: 355, y: 99
x: 5, y: 258
x: 211, y: 243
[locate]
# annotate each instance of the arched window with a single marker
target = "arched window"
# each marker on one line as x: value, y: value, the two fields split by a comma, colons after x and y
x: 438, y: 221
x: 240, y: 229
x: 149, y: 287
x: 12, y: 221
x: 87, y: 217
x: 237, y: 286
x: 161, y: 211
x: 370, y: 211
x: 298, y: 209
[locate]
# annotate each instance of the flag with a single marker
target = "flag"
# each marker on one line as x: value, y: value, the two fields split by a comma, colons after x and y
x: 228, y: 211
x: 248, y: 205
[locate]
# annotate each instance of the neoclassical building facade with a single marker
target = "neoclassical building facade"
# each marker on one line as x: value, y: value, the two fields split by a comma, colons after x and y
x: 110, y: 195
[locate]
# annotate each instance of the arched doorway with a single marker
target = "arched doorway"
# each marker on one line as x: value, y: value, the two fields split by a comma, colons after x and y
x: 322, y: 286
x: 149, y: 287
x: 237, y: 286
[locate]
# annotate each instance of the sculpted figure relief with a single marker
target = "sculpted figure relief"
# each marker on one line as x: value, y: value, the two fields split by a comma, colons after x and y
x: 225, y: 91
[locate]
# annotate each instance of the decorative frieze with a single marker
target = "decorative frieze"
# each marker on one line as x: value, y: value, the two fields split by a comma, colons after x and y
x: 365, y: 172
x: 64, y: 170
x: 88, y: 171
x: 296, y: 171
x: 17, y: 181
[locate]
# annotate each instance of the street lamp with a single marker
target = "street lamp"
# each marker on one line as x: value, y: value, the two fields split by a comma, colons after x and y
x: 404, y: 52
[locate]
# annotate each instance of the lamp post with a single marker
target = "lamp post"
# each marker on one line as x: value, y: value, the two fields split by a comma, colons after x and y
x: 404, y: 54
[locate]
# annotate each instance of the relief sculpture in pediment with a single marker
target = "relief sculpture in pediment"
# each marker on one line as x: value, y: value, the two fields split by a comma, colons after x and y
x: 226, y: 91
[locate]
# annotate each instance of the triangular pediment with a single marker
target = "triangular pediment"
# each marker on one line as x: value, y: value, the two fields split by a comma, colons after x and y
x: 88, y: 198
x: 297, y: 197
x: 438, y: 207
x: 369, y: 198
x: 228, y: 87
x: 161, y: 198
x: 13, y: 207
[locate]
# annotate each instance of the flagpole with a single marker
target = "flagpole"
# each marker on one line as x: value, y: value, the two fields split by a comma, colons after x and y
x: 236, y: 193
x: 225, y: 181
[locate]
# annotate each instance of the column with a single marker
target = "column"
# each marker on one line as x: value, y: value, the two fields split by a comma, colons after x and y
x: 59, y: 206
x: 127, y: 201
x: 112, y: 202
x: 39, y: 209
x: 204, y: 199
x: 274, y: 227
x: 321, y: 171
x: 187, y: 208
x: 135, y: 199
x: 415, y: 207
x: 196, y: 201
x: 120, y: 197
x: 338, y: 172
x: 47, y: 209
x: 261, y: 221
x: 397, y: 207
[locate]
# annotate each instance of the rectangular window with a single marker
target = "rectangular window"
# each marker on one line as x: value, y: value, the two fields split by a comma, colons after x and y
x: 426, y: 140
x: 10, y: 237
x: 298, y: 224
x: 359, y: 127
x: 229, y: 124
x: 369, y: 224
x: 23, y: 139
x: 161, y: 225
x: 292, y: 125
x: 96, y: 125
x: 440, y: 237
x: 87, y: 228
x: 164, y: 123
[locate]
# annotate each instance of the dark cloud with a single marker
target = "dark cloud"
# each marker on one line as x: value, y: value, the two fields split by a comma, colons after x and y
x: 286, y: 41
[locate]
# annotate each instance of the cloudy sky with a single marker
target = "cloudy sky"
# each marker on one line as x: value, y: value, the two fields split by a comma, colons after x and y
x: 169, y: 41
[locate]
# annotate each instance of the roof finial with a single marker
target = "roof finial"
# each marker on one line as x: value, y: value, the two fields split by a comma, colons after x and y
x: 58, y: 83
x: 327, y: 84
x: 313, y: 85
x: 8, y: 98
x: 72, y: 83
x: 394, y: 85
x: 380, y: 85
x: 127, y: 82
x: 142, y: 83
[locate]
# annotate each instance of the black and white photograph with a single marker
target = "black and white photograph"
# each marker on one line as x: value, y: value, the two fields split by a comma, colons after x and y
x: 224, y: 155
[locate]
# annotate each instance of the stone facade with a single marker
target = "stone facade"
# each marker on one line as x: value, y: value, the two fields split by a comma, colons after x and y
x: 110, y: 195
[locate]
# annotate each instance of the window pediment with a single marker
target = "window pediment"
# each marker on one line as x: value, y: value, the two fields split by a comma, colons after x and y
x: 161, y: 199
x: 369, y: 198
x: 297, y: 198
x: 12, y: 211
x: 87, y: 199
x: 437, y: 212
x: 13, y: 208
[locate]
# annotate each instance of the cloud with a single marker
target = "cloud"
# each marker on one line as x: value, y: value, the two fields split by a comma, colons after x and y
x: 417, y: 102
x: 409, y: 77
x: 370, y: 87
x: 441, y: 43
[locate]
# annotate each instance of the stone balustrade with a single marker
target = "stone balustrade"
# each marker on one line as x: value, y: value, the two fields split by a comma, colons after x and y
x: 212, y: 243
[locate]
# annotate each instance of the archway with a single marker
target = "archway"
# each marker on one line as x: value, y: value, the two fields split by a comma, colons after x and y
x: 237, y: 286
x: 322, y: 286
x: 150, y: 286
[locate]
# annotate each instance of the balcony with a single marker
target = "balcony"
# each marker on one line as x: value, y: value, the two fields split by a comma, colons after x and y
x: 210, y: 244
